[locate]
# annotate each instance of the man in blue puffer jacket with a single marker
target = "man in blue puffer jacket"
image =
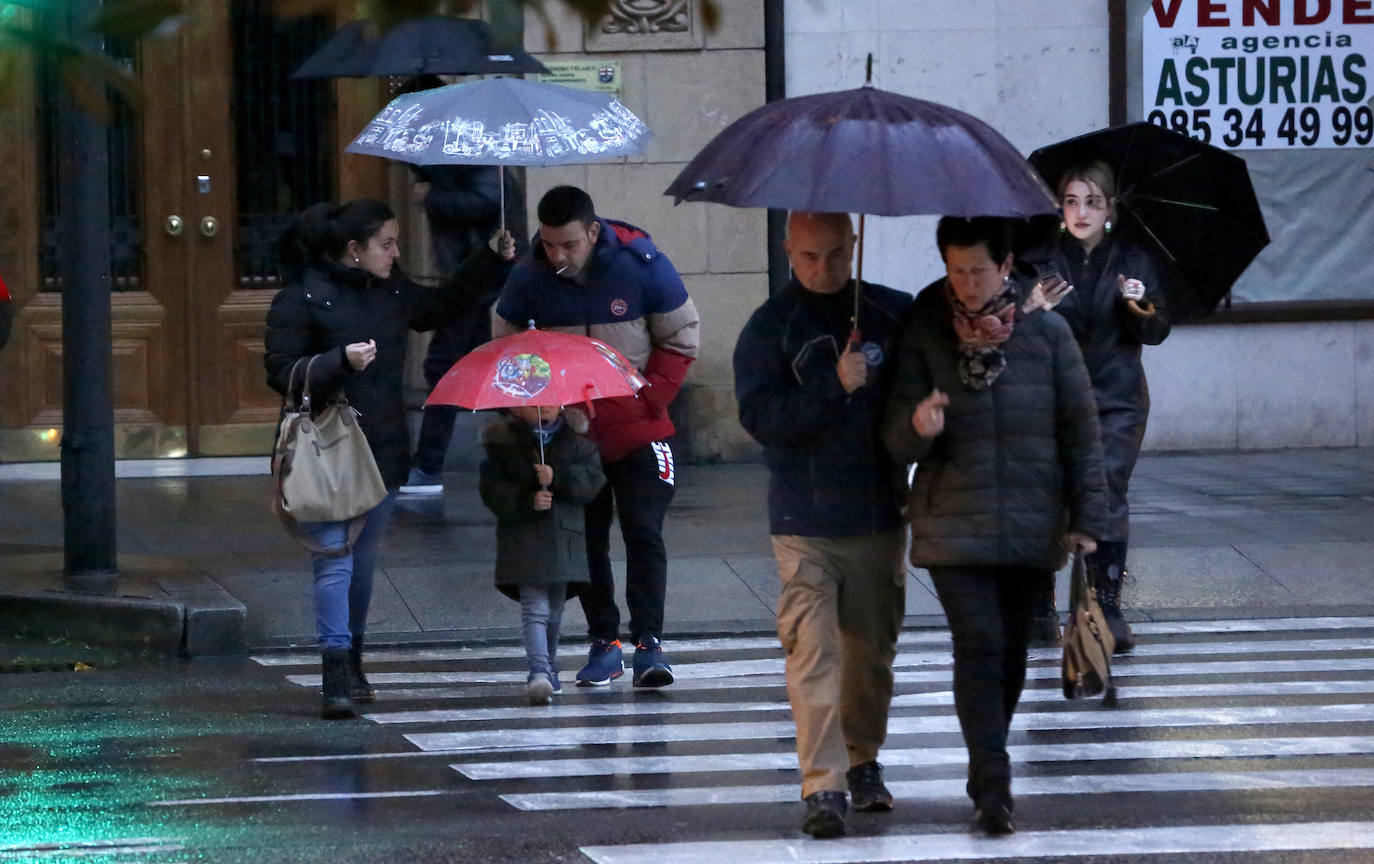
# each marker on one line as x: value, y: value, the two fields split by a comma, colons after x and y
x: 811, y: 390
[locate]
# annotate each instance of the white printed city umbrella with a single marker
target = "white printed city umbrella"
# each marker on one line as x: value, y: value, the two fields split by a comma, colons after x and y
x: 503, y: 121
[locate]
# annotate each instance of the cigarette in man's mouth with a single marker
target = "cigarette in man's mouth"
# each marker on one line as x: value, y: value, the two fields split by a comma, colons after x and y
x: 559, y: 271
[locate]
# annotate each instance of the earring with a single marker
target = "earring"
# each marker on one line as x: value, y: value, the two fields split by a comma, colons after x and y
x: 1107, y: 227
x: 1063, y: 226
x: 355, y: 257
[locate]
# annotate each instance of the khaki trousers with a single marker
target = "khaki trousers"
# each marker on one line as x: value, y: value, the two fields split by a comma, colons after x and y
x: 839, y: 613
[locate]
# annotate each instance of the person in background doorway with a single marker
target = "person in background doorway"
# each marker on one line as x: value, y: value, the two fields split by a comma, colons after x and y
x: 462, y: 205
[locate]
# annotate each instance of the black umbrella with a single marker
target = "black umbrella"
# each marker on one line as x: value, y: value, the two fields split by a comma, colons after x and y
x: 864, y: 151
x: 1192, y: 201
x: 429, y: 45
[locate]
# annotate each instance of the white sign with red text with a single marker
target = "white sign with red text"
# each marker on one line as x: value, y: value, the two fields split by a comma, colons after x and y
x: 1261, y: 74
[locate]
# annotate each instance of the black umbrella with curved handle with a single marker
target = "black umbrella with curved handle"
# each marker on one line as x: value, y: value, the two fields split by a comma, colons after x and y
x: 1191, y: 201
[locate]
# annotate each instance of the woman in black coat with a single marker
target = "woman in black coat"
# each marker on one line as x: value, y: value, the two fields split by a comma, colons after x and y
x: 995, y: 407
x: 345, y: 301
x: 1117, y: 305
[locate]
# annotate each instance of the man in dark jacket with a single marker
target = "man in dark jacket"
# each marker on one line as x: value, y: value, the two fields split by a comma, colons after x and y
x: 606, y: 279
x: 811, y: 389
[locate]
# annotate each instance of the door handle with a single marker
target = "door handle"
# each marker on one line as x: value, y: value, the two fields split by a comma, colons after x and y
x: 209, y: 226
x: 173, y: 225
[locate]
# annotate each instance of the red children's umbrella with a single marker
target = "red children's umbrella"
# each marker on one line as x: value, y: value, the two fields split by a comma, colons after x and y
x: 540, y: 368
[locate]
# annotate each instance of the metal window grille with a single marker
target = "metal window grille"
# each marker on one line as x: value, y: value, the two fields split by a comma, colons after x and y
x: 285, y: 146
x: 125, y: 178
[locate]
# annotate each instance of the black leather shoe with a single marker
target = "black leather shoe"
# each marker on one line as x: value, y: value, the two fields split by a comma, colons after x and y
x: 866, y: 788
x: 825, y: 815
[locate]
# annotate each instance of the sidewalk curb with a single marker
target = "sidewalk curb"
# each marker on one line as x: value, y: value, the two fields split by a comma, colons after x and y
x: 159, y: 609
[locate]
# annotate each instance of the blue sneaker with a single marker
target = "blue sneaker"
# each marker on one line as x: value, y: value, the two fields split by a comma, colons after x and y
x: 651, y: 669
x: 553, y: 676
x: 605, y: 663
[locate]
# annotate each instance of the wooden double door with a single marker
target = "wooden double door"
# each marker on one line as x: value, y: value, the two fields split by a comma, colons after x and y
x: 204, y: 178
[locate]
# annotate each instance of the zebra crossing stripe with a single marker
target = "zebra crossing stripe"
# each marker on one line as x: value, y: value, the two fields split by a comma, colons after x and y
x: 304, y: 796
x: 1223, y: 748
x: 1122, y: 668
x: 570, y: 694
x: 586, y: 709
x: 1183, y: 840
x: 90, y: 848
x: 764, y: 643
x: 904, y: 662
x: 953, y: 788
x: 1224, y: 690
x: 645, y: 708
x: 513, y: 739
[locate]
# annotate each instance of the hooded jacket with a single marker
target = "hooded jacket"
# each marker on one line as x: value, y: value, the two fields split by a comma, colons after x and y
x: 634, y: 301
x: 539, y: 547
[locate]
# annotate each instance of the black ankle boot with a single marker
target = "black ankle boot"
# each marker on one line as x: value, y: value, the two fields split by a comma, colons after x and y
x: 336, y: 704
x: 358, y: 688
x: 1107, y: 570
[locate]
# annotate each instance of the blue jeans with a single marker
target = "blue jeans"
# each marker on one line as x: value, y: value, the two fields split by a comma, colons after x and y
x: 343, y: 586
x: 541, y: 616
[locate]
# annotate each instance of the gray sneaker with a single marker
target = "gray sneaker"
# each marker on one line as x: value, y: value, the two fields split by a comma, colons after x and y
x: 539, y: 688
x: 423, y: 483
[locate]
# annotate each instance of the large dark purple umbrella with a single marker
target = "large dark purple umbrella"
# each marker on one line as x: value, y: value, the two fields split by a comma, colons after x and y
x: 429, y: 45
x: 864, y: 151
x: 1191, y: 201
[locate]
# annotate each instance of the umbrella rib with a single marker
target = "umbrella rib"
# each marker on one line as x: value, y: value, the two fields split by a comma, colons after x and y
x: 1193, y: 204
x: 1156, y: 174
x: 1155, y: 237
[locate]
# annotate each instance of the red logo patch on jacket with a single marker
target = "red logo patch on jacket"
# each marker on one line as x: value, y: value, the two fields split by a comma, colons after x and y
x: 619, y: 307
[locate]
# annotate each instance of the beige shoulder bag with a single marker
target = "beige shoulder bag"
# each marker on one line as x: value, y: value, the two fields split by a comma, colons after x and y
x: 323, y: 468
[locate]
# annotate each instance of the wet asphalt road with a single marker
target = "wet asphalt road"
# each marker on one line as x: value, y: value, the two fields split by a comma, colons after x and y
x: 1258, y: 741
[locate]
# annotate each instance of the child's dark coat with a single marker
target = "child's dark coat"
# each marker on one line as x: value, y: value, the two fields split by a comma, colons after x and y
x: 532, y: 546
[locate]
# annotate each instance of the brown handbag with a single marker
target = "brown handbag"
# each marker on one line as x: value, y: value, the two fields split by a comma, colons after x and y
x: 323, y: 468
x: 1088, y: 642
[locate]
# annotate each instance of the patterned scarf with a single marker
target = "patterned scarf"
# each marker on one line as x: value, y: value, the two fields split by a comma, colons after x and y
x: 981, y: 333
